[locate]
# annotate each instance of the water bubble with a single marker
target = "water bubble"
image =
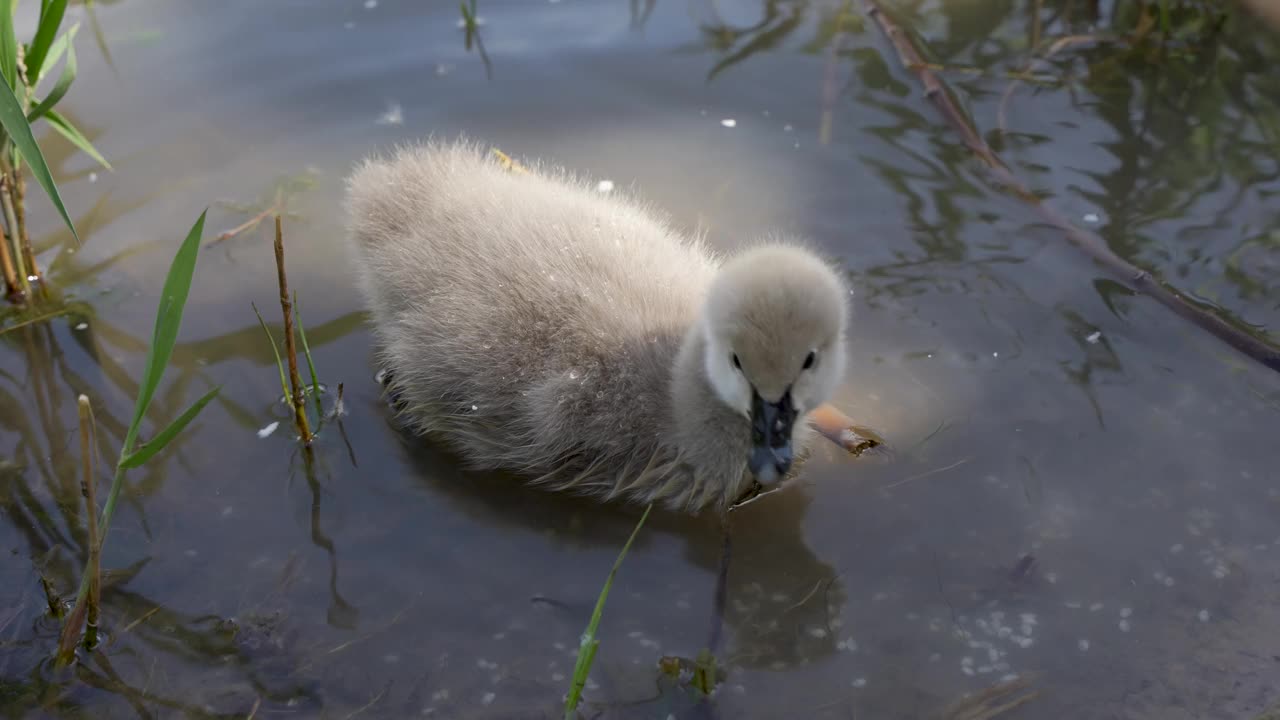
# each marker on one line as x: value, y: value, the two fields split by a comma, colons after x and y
x: 729, y: 122
x: 266, y: 431
x: 1083, y: 645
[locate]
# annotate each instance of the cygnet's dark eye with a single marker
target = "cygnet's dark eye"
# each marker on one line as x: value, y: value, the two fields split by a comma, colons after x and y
x: 810, y: 359
x: 735, y: 361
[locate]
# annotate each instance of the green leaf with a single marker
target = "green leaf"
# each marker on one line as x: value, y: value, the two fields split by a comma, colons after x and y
x: 173, y: 298
x: 284, y: 383
x: 306, y: 350
x: 75, y: 137
x: 60, y: 88
x: 158, y: 443
x: 8, y: 42
x: 47, y: 29
x: 56, y: 51
x: 15, y: 123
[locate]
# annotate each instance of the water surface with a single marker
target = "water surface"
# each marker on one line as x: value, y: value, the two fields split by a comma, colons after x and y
x: 1035, y: 406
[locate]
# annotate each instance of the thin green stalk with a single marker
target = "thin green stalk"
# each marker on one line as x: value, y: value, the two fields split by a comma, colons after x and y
x: 311, y: 365
x: 88, y: 433
x: 275, y: 350
x: 587, y: 650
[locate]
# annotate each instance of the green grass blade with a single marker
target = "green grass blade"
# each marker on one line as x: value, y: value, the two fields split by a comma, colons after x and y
x: 50, y: 20
x: 173, y: 298
x: 8, y: 42
x: 67, y: 77
x: 56, y: 52
x: 15, y: 123
x: 158, y: 443
x: 587, y: 650
x: 306, y: 350
x: 284, y: 382
x: 77, y: 138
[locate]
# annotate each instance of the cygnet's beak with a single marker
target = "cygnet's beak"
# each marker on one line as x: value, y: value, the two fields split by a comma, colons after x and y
x: 771, y: 452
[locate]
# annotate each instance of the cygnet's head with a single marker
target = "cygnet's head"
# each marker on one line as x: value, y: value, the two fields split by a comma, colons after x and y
x: 774, y: 330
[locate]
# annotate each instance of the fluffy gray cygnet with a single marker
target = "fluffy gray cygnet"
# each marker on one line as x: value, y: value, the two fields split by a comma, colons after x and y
x: 536, y: 325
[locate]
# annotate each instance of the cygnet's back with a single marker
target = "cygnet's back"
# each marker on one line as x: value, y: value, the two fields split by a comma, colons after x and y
x: 529, y: 320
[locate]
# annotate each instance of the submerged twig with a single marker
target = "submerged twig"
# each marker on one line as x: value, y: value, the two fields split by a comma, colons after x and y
x: 290, y: 348
x: 1138, y: 280
x: 88, y: 441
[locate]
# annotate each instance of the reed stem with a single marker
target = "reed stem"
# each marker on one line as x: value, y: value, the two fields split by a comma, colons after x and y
x: 11, y: 225
x: 11, y: 287
x: 20, y: 212
x: 290, y: 347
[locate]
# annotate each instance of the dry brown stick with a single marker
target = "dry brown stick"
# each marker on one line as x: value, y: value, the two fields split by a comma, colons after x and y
x: 1091, y: 243
x: 290, y: 347
x: 87, y: 445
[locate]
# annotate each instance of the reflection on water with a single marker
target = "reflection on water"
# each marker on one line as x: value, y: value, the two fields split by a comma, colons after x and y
x: 1081, y: 492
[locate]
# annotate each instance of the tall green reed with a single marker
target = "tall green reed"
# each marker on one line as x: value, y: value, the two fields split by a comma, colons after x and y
x: 590, y: 643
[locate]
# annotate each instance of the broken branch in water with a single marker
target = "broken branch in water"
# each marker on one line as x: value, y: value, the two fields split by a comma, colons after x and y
x: 290, y: 348
x: 1138, y: 280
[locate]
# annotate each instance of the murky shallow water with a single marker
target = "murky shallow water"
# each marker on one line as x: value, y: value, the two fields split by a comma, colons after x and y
x: 1034, y: 406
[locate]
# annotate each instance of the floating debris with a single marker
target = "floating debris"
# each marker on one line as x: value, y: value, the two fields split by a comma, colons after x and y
x: 370, y: 4
x: 1083, y: 645
x: 1203, y: 615
x: 266, y: 431
x: 1091, y: 217
x: 1094, y: 337
x: 1124, y: 626
x: 729, y: 122
x: 82, y: 326
x: 393, y: 116
x: 860, y: 682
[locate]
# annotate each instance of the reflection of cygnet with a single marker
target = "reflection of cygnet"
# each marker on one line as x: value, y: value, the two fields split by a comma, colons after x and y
x: 538, y: 326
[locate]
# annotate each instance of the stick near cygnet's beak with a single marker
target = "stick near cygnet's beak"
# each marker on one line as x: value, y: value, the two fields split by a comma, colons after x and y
x: 771, y: 452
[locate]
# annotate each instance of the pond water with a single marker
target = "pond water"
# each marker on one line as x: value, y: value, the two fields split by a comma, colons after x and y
x: 1034, y: 406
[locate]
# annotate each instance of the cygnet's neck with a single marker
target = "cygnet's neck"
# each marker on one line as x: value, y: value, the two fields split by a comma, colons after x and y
x: 712, y: 438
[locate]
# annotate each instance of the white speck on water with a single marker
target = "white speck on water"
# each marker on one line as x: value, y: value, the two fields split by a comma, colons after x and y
x: 1094, y: 337
x: 226, y: 511
x: 557, y: 677
x: 370, y: 4
x: 729, y: 122
x: 1024, y: 642
x: 475, y: 408
x: 488, y: 698
x: 1124, y: 626
x: 1176, y: 548
x: 93, y: 177
x: 1203, y: 615
x: 995, y: 354
x: 1220, y: 572
x: 604, y: 186
x: 860, y: 682
x: 443, y: 69
x: 1091, y: 217
x: 1095, y: 607
x: 393, y: 116
x: 817, y: 632
x: 1168, y: 581
x: 1083, y: 645
x: 82, y: 326
x: 1126, y: 612
x: 967, y: 670
x: 787, y: 128
x: 266, y: 431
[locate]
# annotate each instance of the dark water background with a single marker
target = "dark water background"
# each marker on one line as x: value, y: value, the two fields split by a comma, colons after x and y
x: 1035, y: 406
